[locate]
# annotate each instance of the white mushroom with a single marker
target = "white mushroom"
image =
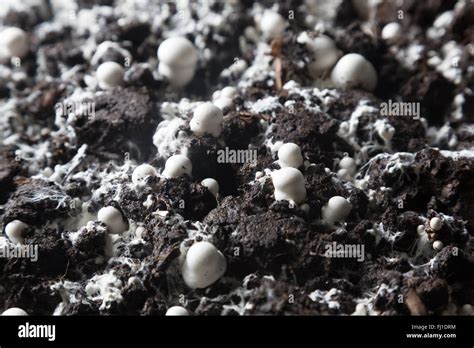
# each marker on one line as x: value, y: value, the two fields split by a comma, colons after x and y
x: 177, y: 311
x: 13, y: 42
x: 207, y: 119
x: 289, y: 185
x: 15, y: 230
x: 176, y: 166
x: 178, y: 59
x: 352, y: 71
x: 336, y: 209
x: 289, y: 155
x: 203, y: 265
x: 109, y: 75
x: 141, y: 172
x: 212, y: 185
x: 113, y: 218
x: 272, y: 24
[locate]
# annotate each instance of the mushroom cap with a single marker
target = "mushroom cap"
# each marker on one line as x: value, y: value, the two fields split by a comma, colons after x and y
x: 177, y: 52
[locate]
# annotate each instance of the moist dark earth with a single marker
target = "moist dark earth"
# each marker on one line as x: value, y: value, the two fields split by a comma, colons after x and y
x: 57, y: 171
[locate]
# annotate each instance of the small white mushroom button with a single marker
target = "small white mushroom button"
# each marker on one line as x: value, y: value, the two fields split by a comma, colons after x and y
x: 113, y: 218
x: 289, y: 185
x: 177, y: 51
x: 15, y: 230
x: 336, y: 210
x: 178, y: 59
x: 289, y: 155
x: 347, y: 167
x: 109, y: 75
x: 203, y: 265
x: 228, y: 92
x: 438, y: 245
x: 142, y: 172
x: 13, y: 42
x: 224, y: 98
x: 176, y: 166
x: 348, y: 164
x: 177, y: 311
x: 212, y: 185
x: 272, y: 24
x: 207, y: 119
x: 352, y: 71
x: 392, y: 32
x: 324, y: 53
x: 420, y: 229
x: 436, y: 224
x: 14, y: 311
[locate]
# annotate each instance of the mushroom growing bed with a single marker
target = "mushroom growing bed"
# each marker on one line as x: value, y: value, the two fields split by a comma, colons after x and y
x: 237, y: 157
